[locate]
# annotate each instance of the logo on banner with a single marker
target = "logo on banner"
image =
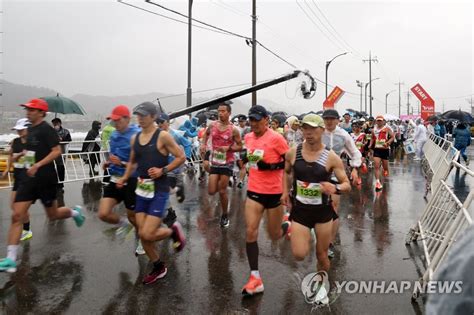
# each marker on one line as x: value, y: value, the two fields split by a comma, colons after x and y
x: 333, y: 98
x: 427, y: 103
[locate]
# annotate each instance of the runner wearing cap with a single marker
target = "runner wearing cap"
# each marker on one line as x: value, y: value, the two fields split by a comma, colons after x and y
x: 244, y: 129
x: 42, y: 148
x: 224, y: 140
x: 119, y: 148
x: 149, y: 155
x: 293, y: 135
x: 16, y: 157
x: 308, y: 171
x: 360, y: 140
x: 382, y: 137
x: 337, y: 139
x: 266, y: 150
x: 367, y: 129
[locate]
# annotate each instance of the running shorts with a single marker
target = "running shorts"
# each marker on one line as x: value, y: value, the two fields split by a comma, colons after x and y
x: 268, y: 201
x: 125, y: 194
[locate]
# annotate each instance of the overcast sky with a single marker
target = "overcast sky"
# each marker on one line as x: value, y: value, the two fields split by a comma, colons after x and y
x: 107, y: 48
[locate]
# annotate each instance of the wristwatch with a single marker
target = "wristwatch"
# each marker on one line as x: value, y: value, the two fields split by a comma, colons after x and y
x: 164, y: 170
x: 338, y: 190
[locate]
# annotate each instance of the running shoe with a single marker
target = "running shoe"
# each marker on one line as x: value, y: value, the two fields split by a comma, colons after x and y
x: 80, y: 219
x: 7, y: 265
x: 224, y: 221
x: 286, y: 227
x: 139, y: 250
x: 416, y: 159
x: 378, y: 186
x: 123, y: 231
x: 240, y: 185
x: 331, y: 251
x: 253, y: 286
x: 155, y: 274
x: 170, y: 217
x: 180, y: 194
x: 467, y: 162
x: 363, y: 168
x: 321, y: 297
x: 385, y: 173
x: 26, y: 235
x: 179, y: 240
x: 359, y: 181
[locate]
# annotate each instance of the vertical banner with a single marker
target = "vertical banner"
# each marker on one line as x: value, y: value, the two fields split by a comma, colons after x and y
x: 427, y: 103
x: 332, y: 99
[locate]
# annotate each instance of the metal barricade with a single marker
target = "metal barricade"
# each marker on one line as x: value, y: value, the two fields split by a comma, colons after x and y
x: 443, y: 220
x: 79, y: 166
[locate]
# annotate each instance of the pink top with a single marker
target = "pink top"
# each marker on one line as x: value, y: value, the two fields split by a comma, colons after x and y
x: 221, y: 139
x: 269, y: 147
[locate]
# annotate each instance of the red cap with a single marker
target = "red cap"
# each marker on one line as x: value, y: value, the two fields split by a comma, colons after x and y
x: 118, y: 112
x: 379, y: 117
x: 37, y: 103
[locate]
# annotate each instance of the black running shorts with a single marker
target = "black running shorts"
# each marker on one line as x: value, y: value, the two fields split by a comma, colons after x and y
x: 309, y: 217
x: 381, y: 153
x: 125, y: 194
x: 34, y: 188
x: 268, y: 201
x: 222, y: 170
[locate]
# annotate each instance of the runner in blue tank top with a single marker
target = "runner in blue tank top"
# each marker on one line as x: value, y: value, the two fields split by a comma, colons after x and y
x: 150, y: 150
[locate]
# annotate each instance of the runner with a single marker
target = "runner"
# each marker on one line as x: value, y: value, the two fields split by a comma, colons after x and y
x: 16, y: 157
x: 382, y: 137
x: 308, y: 171
x: 42, y: 148
x: 224, y: 141
x: 265, y: 154
x: 293, y: 135
x: 337, y: 139
x: 244, y: 130
x: 346, y: 123
x: 119, y: 146
x: 360, y: 141
x: 367, y: 129
x: 150, y: 150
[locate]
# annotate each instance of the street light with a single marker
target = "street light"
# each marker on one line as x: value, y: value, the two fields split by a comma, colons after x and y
x: 386, y: 97
x: 360, y: 84
x: 366, y: 85
x: 327, y: 66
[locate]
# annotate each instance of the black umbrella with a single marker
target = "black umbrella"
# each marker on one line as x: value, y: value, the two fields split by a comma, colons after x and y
x: 432, y: 118
x: 458, y: 115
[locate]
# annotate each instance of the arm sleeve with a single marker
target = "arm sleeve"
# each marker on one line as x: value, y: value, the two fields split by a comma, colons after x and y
x: 352, y: 151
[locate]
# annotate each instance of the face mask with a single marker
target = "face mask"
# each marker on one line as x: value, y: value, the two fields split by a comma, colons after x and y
x: 57, y: 128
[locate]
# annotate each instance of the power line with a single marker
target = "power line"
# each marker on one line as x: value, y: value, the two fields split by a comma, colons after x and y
x: 274, y: 54
x: 167, y: 17
x: 455, y: 97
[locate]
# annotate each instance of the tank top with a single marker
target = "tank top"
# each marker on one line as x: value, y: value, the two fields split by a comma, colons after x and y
x: 221, y: 139
x: 307, y: 176
x: 148, y: 156
x: 381, y: 137
x: 359, y: 140
x: 19, y: 166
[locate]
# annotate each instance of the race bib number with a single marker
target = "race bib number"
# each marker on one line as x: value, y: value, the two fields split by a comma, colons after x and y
x: 114, y: 179
x: 359, y: 145
x: 253, y: 158
x: 145, y: 188
x: 219, y: 158
x: 20, y: 163
x: 369, y: 137
x: 380, y: 143
x: 29, y: 159
x: 308, y: 193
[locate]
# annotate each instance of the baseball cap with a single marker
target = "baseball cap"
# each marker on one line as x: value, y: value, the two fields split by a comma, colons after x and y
x: 22, y: 124
x: 37, y: 103
x: 118, y: 112
x: 257, y: 112
x: 145, y: 109
x: 292, y: 120
x: 371, y: 118
x: 346, y: 114
x: 242, y: 118
x: 330, y: 113
x: 162, y: 118
x: 313, y: 120
x: 379, y: 117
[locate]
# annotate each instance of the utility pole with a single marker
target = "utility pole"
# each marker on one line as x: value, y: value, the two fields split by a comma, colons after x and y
x: 399, y: 97
x: 370, y: 60
x: 360, y: 84
x: 408, y: 102
x: 189, y: 91
x: 254, y: 50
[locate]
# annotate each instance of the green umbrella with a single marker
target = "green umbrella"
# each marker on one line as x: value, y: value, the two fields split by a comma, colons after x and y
x: 63, y: 105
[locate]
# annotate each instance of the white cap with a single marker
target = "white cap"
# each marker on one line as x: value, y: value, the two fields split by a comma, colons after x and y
x: 21, y: 124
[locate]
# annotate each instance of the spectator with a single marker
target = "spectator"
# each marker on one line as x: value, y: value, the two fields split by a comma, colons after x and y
x: 420, y: 139
x: 462, y: 139
x: 92, y: 146
x: 442, y: 129
x: 64, y: 136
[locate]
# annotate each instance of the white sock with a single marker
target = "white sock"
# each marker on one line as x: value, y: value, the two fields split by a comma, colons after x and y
x: 74, y: 213
x: 255, y: 273
x: 12, y: 251
x: 123, y: 221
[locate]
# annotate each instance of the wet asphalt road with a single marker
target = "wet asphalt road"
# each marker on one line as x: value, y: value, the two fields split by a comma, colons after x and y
x: 64, y: 269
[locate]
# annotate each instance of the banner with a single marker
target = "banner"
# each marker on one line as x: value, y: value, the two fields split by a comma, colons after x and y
x: 427, y: 103
x: 332, y: 99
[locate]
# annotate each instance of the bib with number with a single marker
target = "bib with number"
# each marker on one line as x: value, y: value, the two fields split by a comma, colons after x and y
x: 308, y: 193
x: 380, y: 143
x: 219, y: 158
x: 145, y: 188
x: 29, y: 159
x: 114, y: 179
x: 20, y: 163
x: 254, y: 157
x: 359, y: 145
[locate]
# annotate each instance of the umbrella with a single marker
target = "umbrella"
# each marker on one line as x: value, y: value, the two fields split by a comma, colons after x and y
x: 63, y: 105
x: 389, y: 117
x: 457, y: 115
x: 432, y: 118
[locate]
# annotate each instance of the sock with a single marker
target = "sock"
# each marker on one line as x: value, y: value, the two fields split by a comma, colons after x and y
x: 252, y: 255
x: 255, y: 273
x: 12, y: 251
x: 74, y: 213
x: 26, y: 226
